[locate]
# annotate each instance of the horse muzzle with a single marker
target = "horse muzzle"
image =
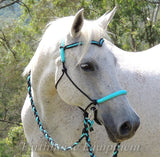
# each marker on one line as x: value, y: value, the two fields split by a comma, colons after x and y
x: 120, y: 125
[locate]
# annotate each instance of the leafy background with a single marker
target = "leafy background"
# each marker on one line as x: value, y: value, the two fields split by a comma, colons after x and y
x: 135, y: 27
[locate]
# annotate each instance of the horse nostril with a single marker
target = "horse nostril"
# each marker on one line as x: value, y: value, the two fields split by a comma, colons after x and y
x: 125, y: 128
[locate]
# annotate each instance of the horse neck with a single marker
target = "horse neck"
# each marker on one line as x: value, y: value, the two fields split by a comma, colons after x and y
x: 133, y: 62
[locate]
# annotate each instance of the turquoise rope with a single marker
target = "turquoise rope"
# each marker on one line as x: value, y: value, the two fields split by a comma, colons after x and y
x: 62, y: 52
x: 63, y: 47
x: 111, y: 96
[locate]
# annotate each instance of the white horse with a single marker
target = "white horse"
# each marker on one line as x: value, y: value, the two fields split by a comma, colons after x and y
x: 97, y: 71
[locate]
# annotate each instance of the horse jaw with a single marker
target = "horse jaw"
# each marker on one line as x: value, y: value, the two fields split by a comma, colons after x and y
x: 105, y: 19
x: 77, y: 23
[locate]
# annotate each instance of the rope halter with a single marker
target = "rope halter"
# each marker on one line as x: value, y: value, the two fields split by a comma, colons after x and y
x: 87, y: 122
x: 64, y: 71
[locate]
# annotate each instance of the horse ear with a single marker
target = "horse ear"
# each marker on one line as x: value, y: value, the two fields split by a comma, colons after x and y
x: 77, y: 23
x: 105, y: 19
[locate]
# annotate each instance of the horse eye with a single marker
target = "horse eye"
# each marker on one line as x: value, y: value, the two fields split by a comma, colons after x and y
x: 87, y: 66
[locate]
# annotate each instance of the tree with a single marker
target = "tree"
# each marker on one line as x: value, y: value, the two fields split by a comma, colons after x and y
x: 133, y: 28
x: 9, y: 3
x: 133, y: 25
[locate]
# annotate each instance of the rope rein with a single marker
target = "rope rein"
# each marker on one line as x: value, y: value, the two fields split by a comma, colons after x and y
x: 87, y: 122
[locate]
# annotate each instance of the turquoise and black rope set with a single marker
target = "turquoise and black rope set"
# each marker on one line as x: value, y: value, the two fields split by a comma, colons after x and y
x: 87, y: 122
x: 85, y: 132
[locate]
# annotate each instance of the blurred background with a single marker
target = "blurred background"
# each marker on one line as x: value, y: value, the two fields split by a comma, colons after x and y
x: 135, y: 27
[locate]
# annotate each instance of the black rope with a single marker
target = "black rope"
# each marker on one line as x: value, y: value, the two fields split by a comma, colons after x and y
x: 64, y: 70
x: 59, y: 79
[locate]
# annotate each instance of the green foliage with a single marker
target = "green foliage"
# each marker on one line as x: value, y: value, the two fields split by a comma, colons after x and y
x: 15, y: 144
x: 14, y: 136
x: 132, y: 29
x: 4, y: 149
x: 133, y: 26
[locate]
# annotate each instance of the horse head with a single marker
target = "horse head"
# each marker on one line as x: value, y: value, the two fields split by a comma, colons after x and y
x: 92, y: 68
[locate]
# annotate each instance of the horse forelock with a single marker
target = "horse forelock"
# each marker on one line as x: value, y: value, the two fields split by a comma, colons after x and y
x: 59, y: 30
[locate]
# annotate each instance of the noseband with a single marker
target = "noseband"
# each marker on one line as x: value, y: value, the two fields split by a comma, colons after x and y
x: 93, y: 103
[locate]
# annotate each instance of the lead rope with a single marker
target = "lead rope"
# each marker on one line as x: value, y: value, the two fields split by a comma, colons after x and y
x: 85, y: 132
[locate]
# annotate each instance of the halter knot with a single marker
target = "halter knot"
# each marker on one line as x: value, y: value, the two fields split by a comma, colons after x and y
x: 64, y: 70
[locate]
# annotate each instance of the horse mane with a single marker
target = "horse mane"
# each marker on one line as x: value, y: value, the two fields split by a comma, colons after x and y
x: 58, y: 30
